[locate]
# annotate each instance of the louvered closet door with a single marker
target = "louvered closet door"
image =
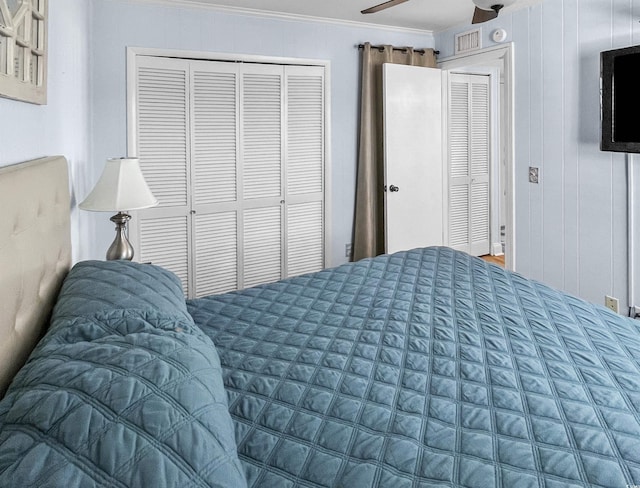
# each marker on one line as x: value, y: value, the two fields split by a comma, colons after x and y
x: 160, y: 235
x: 261, y: 116
x: 215, y: 156
x: 235, y: 154
x: 238, y: 175
x: 304, y: 159
x: 469, y: 163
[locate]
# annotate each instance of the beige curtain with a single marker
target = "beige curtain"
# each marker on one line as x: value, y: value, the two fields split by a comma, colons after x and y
x: 369, y: 216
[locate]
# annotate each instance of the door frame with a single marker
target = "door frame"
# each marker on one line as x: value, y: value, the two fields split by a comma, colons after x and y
x: 481, y: 62
x: 134, y: 52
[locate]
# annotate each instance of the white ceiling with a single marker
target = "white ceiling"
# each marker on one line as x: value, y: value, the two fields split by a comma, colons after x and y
x: 429, y: 15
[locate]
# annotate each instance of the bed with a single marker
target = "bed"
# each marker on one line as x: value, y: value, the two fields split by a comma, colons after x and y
x: 423, y: 368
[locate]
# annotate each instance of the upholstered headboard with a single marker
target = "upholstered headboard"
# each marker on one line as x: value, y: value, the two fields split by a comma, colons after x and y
x: 35, y: 254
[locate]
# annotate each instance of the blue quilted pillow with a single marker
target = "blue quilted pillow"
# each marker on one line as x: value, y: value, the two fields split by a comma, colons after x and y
x: 119, y: 396
x: 97, y: 286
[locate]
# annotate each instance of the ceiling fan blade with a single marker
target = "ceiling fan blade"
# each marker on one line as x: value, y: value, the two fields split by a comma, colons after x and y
x: 382, y: 6
x: 481, y: 15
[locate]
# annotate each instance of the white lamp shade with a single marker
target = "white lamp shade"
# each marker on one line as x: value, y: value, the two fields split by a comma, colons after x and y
x: 487, y: 4
x: 120, y: 187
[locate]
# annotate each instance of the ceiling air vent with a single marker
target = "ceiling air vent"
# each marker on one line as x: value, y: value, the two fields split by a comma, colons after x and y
x: 468, y: 41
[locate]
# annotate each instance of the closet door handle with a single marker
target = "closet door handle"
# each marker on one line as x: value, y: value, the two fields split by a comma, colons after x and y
x: 393, y: 188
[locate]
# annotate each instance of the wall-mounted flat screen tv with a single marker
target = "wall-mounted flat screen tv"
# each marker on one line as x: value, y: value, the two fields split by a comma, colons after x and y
x: 620, y: 70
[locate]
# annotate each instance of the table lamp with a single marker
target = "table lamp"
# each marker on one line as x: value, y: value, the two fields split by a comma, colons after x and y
x: 121, y: 187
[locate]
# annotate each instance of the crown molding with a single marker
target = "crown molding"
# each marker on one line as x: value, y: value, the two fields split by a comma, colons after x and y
x: 200, y: 4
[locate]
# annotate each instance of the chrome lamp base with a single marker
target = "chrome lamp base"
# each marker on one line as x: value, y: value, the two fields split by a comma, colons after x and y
x: 120, y: 248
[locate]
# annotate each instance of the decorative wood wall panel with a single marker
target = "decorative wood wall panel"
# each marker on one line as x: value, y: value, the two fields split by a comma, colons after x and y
x: 23, y: 50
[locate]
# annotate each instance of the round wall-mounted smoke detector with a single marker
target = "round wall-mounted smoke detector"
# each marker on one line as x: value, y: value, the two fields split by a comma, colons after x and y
x: 499, y: 35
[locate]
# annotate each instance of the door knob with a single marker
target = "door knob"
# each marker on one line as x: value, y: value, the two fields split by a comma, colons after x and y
x: 393, y: 188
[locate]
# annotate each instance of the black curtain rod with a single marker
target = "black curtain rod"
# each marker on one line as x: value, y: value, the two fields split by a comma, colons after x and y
x: 403, y: 49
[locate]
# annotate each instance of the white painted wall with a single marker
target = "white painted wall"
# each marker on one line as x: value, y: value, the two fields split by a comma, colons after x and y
x: 117, y: 24
x: 62, y: 126
x: 571, y: 229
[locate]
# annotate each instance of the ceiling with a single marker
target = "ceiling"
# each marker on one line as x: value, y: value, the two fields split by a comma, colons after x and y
x: 429, y: 15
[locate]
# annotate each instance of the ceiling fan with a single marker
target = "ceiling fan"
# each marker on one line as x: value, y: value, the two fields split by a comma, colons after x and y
x: 485, y: 9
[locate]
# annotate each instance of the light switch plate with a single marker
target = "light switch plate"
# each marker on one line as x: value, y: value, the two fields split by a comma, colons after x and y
x: 612, y: 303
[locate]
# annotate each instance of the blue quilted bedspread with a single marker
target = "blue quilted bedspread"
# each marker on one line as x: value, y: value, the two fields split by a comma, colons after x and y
x: 123, y: 391
x: 427, y: 368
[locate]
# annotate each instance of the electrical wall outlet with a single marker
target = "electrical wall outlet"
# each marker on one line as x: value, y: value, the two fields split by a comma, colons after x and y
x: 534, y: 174
x: 348, y: 250
x: 612, y: 303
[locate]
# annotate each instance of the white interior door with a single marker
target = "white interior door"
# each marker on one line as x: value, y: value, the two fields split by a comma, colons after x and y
x: 413, y: 157
x: 469, y: 163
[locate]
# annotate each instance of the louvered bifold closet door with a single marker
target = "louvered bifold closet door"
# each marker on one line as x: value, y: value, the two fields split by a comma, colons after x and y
x: 161, y: 234
x: 305, y: 166
x: 458, y: 165
x: 262, y: 170
x: 469, y: 163
x: 479, y: 157
x: 235, y: 152
x: 215, y: 156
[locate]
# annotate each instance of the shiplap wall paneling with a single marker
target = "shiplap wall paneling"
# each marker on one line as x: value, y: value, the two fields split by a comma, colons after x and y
x: 521, y: 148
x: 595, y: 168
x: 571, y: 226
x: 625, y: 30
x: 536, y: 159
x: 567, y: 158
x: 553, y: 213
